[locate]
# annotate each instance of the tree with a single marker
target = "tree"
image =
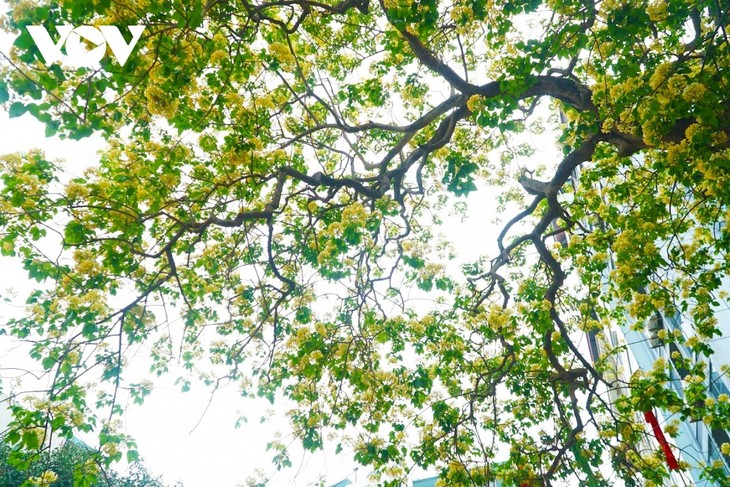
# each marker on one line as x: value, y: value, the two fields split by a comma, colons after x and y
x: 61, y: 466
x: 272, y: 175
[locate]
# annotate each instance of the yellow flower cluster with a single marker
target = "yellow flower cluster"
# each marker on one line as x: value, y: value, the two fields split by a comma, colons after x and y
x: 86, y: 263
x: 694, y: 92
x: 75, y: 191
x: 625, y: 242
x: 692, y: 342
x: 218, y: 56
x: 657, y: 10
x: 498, y: 318
x: 265, y: 102
x: 110, y: 449
x: 281, y: 53
x: 473, y: 103
x: 672, y: 428
x: 159, y: 102
x: 92, y: 299
x: 46, y: 479
x: 660, y: 75
x: 355, y: 213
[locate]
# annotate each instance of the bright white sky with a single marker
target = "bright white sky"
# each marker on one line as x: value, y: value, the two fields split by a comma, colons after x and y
x: 214, y: 453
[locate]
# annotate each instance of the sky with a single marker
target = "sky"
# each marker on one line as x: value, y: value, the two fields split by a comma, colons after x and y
x: 180, y: 435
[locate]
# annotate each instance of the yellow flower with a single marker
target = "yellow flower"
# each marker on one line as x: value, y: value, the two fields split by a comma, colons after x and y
x: 473, y: 103
x: 281, y: 53
x: 694, y: 92
x: 110, y: 449
x: 657, y: 10
x: 218, y: 56
x: 45, y: 480
x: 660, y: 75
x: 671, y: 429
x: 159, y: 102
x: 76, y: 190
x: 265, y: 102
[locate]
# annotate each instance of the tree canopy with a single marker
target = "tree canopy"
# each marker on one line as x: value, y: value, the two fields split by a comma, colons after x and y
x: 64, y: 465
x: 266, y: 208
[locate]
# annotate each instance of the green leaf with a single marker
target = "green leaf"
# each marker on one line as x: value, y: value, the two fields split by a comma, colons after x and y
x: 132, y: 456
x: 17, y: 109
x: 4, y: 95
x: 31, y: 440
x: 75, y: 233
x: 52, y: 129
x: 24, y: 41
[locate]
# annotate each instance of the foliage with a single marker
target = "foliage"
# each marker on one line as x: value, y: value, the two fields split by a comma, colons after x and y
x: 61, y: 466
x: 268, y: 200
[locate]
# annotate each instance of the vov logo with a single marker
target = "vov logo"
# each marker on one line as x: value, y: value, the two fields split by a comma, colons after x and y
x: 76, y: 53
